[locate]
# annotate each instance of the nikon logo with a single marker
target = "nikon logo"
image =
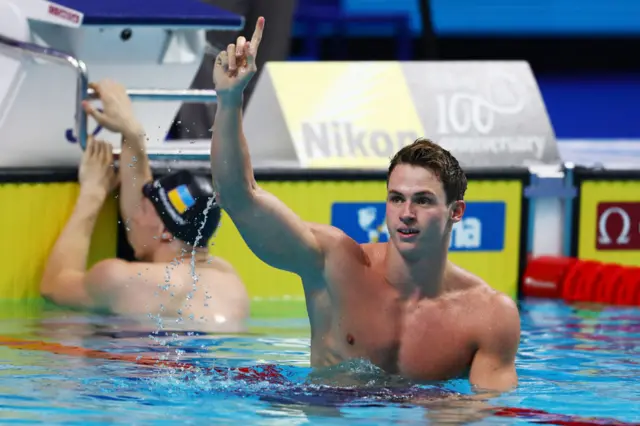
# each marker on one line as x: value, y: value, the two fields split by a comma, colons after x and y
x: 337, y: 139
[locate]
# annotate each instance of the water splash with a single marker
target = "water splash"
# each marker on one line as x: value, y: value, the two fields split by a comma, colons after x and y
x: 194, y: 276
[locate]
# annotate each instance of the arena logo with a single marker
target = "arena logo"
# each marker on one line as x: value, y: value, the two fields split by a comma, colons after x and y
x: 343, y: 140
x: 481, y: 229
x: 466, y: 234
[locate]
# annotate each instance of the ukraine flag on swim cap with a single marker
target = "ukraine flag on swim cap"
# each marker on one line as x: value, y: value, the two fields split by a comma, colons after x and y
x: 181, y: 199
x: 185, y: 203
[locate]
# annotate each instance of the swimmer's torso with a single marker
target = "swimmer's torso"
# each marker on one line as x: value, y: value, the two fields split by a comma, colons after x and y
x: 359, y: 315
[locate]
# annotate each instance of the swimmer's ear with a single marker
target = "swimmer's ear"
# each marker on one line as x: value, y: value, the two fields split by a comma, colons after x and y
x: 166, y: 236
x: 457, y: 210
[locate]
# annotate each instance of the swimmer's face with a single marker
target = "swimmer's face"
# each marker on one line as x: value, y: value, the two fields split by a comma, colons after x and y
x: 146, y: 235
x: 418, y: 214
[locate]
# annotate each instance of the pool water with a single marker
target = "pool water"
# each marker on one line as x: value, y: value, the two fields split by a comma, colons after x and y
x: 577, y: 365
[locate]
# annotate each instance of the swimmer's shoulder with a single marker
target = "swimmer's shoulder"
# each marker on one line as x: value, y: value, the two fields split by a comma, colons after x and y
x: 116, y: 270
x: 338, y: 245
x: 218, y: 264
x: 329, y: 235
x: 484, y: 294
x: 114, y: 279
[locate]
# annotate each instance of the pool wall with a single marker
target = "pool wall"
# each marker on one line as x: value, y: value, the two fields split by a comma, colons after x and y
x: 490, y: 242
x: 36, y: 204
x: 494, y: 241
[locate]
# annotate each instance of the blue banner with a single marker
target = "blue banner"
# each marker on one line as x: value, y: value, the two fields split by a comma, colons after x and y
x: 481, y: 229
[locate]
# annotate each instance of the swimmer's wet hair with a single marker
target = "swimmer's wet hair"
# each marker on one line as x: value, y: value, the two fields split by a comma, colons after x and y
x: 428, y: 154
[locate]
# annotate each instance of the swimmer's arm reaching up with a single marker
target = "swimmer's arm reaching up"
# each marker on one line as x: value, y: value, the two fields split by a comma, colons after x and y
x: 135, y: 171
x: 271, y: 229
x: 65, y: 272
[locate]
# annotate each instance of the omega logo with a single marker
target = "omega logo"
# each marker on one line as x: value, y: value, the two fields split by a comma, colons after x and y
x: 603, y: 236
x: 618, y: 226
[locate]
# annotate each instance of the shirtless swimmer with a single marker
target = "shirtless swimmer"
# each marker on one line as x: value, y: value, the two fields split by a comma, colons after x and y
x: 401, y: 305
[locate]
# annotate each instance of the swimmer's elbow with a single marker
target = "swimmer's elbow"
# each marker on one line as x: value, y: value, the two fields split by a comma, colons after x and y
x: 499, y: 381
x: 65, y: 288
x: 238, y: 198
x: 230, y: 196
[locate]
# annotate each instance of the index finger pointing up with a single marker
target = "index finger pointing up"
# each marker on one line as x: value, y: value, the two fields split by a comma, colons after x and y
x: 257, y: 35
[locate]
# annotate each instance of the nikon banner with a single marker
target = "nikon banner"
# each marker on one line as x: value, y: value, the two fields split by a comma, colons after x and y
x: 609, y: 216
x: 357, y: 115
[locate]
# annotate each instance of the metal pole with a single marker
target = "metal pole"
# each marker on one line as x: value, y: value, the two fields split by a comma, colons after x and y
x: 83, y: 92
x: 64, y: 59
x: 159, y: 95
x: 567, y: 242
x: 191, y: 96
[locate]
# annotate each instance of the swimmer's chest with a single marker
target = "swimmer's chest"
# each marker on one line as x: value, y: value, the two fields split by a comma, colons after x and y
x: 429, y: 343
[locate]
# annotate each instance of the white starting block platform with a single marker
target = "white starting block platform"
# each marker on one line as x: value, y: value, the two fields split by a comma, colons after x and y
x: 140, y: 43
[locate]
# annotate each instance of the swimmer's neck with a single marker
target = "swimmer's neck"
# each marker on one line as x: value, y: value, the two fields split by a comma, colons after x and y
x: 182, y: 254
x: 423, y: 277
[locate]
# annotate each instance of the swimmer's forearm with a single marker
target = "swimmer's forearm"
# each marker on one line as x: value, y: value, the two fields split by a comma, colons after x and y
x: 230, y: 160
x: 273, y: 232
x: 71, y: 250
x: 75, y: 239
x: 134, y: 145
x: 134, y: 170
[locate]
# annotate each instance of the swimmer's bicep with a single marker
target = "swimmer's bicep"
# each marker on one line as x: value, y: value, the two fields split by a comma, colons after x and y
x: 276, y: 234
x: 493, y: 366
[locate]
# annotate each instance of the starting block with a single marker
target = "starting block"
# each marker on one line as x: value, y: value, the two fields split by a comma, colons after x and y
x: 49, y: 50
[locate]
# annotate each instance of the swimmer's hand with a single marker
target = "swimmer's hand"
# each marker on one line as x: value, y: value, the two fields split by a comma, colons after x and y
x: 235, y: 66
x: 97, y: 172
x: 117, y: 115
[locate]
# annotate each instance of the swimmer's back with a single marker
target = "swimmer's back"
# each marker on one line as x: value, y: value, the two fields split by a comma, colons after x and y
x: 216, y: 295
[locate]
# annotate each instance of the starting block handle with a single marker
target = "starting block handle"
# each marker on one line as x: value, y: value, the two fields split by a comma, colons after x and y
x: 191, y: 95
x: 156, y: 95
x: 61, y: 58
x: 83, y: 92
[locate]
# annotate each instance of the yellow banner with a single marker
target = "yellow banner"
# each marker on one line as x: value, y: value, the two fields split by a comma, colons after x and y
x: 353, y: 116
x: 32, y: 219
x: 609, y: 223
x: 487, y: 243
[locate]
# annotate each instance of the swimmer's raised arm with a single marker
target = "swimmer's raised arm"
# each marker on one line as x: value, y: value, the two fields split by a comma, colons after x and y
x: 272, y: 230
x: 65, y: 277
x: 135, y: 171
